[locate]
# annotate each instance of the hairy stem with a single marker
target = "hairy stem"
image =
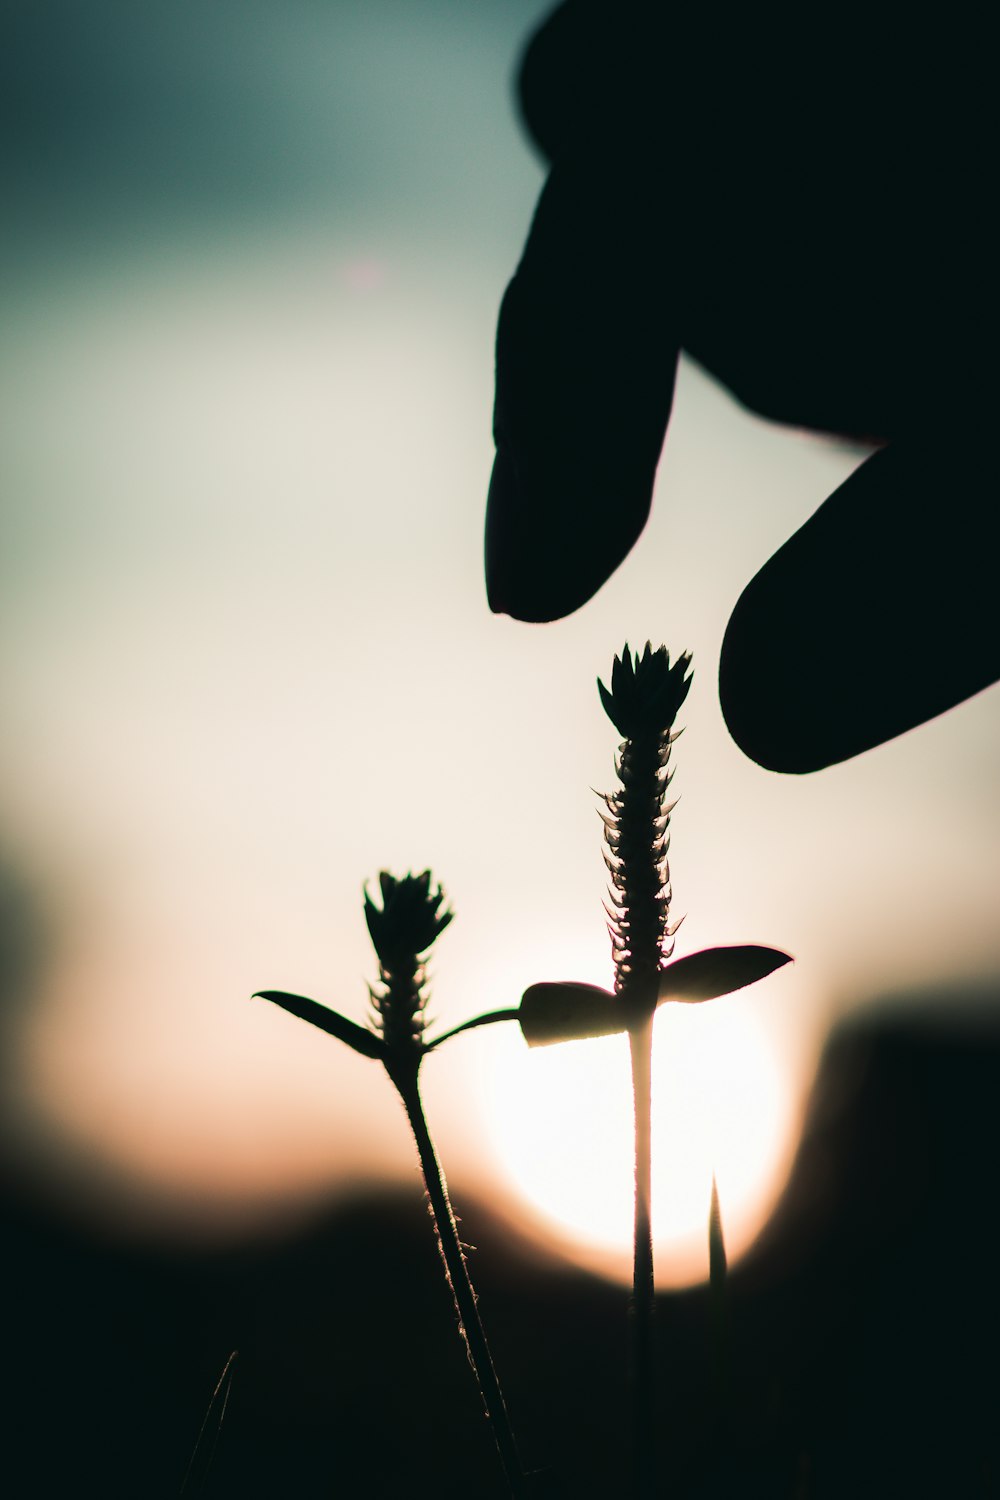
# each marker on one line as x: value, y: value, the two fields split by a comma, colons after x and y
x: 457, y: 1273
x: 643, y: 1369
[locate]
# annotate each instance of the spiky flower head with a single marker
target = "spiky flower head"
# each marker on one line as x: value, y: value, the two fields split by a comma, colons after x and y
x: 412, y: 915
x: 646, y: 691
x: 646, y: 694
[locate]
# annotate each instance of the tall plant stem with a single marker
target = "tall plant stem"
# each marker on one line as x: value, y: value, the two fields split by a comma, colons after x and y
x: 643, y: 1370
x: 462, y: 1290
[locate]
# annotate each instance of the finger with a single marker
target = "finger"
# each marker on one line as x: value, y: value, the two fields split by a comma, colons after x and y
x: 586, y: 361
x: 879, y: 614
x: 834, y: 315
x: 822, y: 286
x: 596, y: 71
x: 567, y: 69
x: 545, y: 80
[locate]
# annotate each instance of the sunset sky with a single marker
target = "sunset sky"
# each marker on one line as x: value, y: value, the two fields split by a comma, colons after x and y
x: 246, y: 660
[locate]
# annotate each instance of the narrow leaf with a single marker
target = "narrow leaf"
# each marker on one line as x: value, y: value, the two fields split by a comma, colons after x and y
x: 196, y: 1476
x: 358, y: 1037
x: 484, y: 1020
x: 717, y: 1263
x: 567, y: 1013
x: 717, y: 971
x: 717, y: 1270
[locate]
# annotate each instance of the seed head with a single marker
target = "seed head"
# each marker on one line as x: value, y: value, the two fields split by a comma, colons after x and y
x: 646, y: 691
x: 402, y: 929
x: 646, y: 694
x: 410, y: 917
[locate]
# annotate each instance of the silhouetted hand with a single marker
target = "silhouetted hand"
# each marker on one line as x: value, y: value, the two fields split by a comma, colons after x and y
x: 806, y: 211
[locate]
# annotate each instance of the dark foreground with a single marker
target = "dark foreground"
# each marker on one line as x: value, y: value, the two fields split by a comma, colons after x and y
x: 864, y: 1329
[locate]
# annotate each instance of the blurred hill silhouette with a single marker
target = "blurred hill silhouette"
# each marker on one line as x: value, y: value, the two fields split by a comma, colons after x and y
x: 864, y: 1326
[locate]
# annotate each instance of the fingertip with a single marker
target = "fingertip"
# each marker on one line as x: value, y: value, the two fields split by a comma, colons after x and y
x: 543, y: 560
x: 771, y: 719
x: 585, y: 367
x: 876, y: 616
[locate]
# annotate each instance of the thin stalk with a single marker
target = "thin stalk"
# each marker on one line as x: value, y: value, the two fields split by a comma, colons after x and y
x: 457, y: 1273
x: 196, y: 1475
x: 643, y: 1364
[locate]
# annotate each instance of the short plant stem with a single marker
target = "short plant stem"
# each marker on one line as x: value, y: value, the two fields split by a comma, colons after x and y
x: 461, y: 1286
x: 643, y: 1370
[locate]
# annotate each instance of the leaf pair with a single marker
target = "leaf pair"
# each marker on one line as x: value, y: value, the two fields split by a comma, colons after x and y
x: 366, y: 1042
x: 568, y: 1011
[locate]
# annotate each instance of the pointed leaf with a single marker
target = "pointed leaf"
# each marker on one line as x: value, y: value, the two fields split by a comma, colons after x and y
x: 484, y: 1020
x: 358, y: 1037
x: 717, y: 1264
x: 568, y: 1012
x: 717, y: 1270
x: 718, y: 971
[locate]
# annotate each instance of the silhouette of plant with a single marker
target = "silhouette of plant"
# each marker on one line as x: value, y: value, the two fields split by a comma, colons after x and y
x: 644, y: 699
x: 412, y: 915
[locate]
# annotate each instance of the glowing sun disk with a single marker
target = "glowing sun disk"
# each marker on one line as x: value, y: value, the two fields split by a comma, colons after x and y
x: 560, y: 1119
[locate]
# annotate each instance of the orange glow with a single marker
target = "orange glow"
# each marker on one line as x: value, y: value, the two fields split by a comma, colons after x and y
x: 561, y: 1122
x: 189, y: 1108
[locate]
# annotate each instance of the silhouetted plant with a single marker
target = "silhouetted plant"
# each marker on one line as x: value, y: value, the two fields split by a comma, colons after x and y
x: 412, y: 915
x: 644, y: 699
x: 645, y: 696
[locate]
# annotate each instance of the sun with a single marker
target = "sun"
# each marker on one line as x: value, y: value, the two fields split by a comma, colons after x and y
x: 560, y: 1121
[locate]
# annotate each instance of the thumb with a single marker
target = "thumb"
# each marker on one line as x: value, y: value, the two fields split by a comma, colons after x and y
x: 586, y: 360
x: 877, y: 615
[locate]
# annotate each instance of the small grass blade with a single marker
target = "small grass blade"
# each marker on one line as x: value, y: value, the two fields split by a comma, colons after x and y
x: 196, y: 1474
x: 717, y: 1272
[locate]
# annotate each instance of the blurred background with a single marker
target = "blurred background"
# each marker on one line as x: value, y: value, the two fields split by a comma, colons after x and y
x: 249, y: 280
